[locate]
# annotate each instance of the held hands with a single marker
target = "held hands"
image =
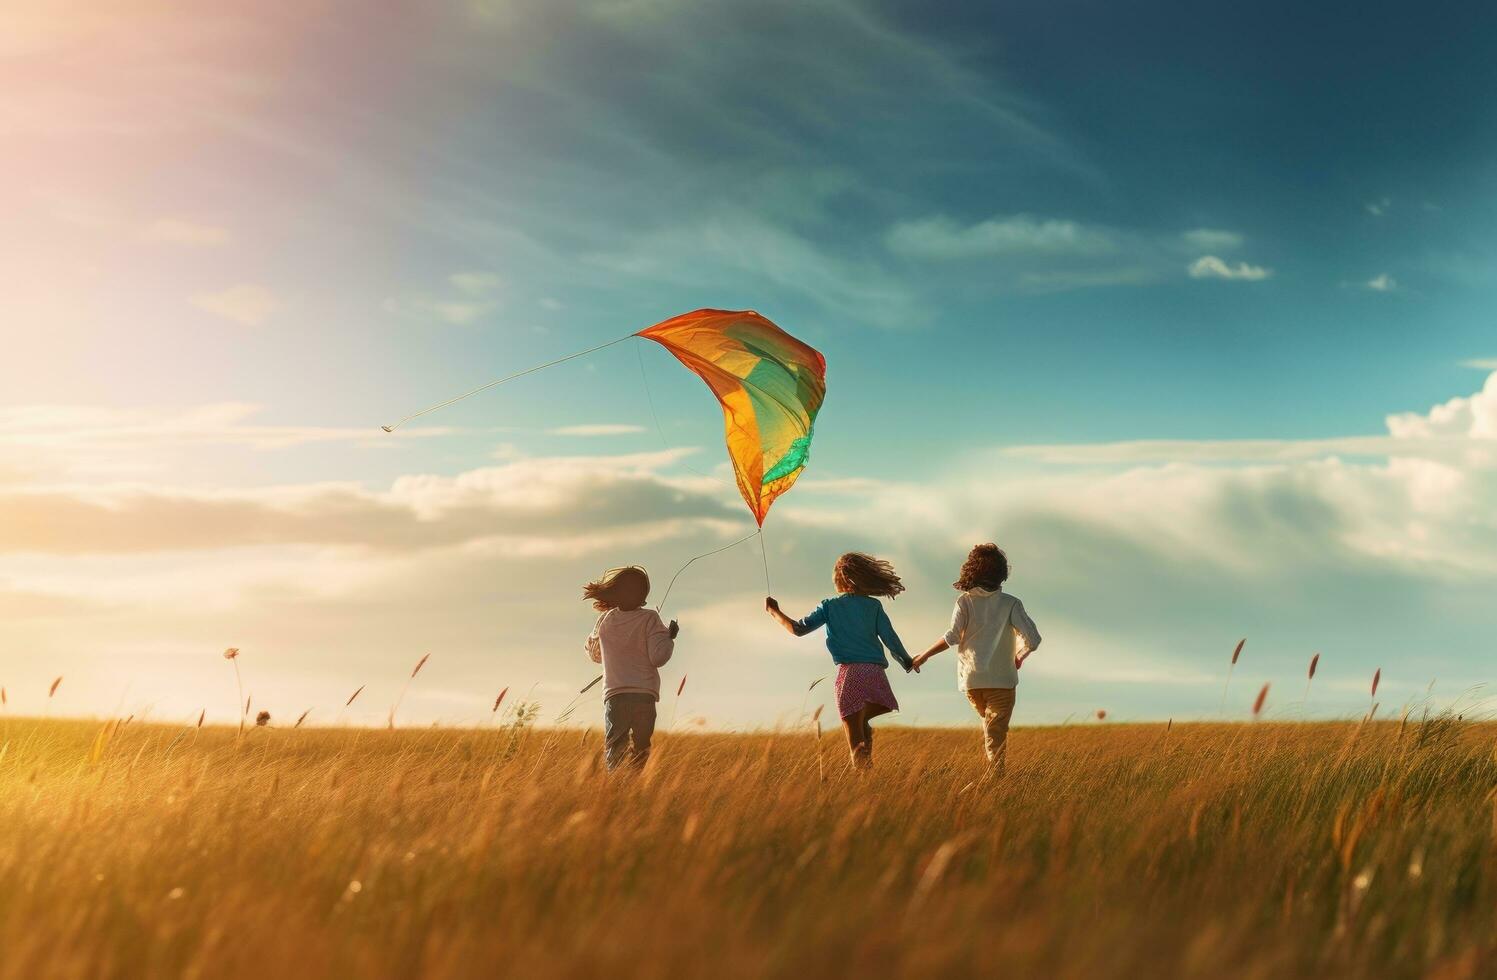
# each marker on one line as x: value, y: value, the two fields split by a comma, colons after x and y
x: 919, y: 661
x: 675, y: 628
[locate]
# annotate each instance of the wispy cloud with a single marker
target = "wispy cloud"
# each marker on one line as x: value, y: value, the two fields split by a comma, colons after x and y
x: 179, y: 231
x: 601, y: 429
x: 1379, y: 208
x: 942, y: 238
x: 246, y: 303
x: 1381, y: 283
x: 1212, y: 267
x: 1212, y: 239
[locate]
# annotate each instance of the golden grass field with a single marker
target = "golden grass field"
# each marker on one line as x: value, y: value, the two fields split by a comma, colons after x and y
x: 1252, y: 850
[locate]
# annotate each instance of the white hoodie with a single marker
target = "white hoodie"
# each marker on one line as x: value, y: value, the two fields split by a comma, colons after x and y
x: 986, y: 628
x: 632, y: 645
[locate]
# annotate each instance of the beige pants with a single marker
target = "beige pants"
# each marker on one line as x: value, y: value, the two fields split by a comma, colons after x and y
x: 996, y: 706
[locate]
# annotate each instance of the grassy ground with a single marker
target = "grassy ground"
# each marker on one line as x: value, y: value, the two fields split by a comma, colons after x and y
x: 1245, y: 850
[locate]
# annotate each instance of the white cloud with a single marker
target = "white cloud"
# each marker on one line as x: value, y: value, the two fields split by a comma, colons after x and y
x: 1212, y: 239
x: 245, y: 303
x: 1379, y: 208
x: 179, y: 231
x: 1473, y: 417
x: 942, y: 238
x: 475, y: 283
x: 601, y: 429
x: 1382, y: 283
x: 1211, y: 267
x: 473, y: 298
x: 1481, y: 363
x: 87, y: 442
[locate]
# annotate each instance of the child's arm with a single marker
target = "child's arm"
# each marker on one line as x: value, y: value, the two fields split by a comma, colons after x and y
x: 892, y: 641
x: 797, y: 628
x: 953, y: 635
x: 661, y: 642
x: 934, y: 649
x: 1027, y: 631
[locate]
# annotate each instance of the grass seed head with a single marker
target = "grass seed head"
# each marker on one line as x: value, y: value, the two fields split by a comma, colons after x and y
x: 354, y: 695
x: 53, y: 689
x: 1314, y: 662
x: 1258, y: 704
x: 1238, y: 652
x: 1377, y: 675
x: 231, y: 653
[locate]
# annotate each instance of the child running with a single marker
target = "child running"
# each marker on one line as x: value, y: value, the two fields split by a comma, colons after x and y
x: 632, y: 644
x: 857, y: 630
x: 985, y: 627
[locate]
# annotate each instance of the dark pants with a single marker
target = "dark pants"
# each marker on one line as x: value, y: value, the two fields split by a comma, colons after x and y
x: 628, y: 723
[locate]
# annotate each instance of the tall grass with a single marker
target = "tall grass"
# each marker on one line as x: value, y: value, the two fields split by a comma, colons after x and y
x: 1108, y: 851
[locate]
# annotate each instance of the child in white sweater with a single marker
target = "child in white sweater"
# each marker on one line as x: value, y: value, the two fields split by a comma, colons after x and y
x: 632, y: 644
x: 993, y: 635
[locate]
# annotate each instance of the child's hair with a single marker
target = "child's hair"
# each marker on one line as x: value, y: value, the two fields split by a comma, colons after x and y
x: 863, y: 574
x: 986, y: 567
x: 625, y: 588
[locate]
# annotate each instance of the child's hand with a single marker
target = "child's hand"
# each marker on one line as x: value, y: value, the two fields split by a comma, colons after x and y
x: 1019, y: 660
x: 918, y: 662
x: 771, y: 604
x: 675, y: 629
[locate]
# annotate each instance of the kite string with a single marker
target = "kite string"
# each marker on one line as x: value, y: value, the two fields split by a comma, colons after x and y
x: 661, y: 605
x: 493, y: 384
x: 764, y: 554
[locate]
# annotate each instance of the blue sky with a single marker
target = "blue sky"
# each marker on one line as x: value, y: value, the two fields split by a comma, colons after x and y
x: 1063, y: 259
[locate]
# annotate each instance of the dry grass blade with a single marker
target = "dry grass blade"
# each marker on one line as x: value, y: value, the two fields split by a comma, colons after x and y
x: 592, y: 684
x: 420, y: 663
x: 354, y: 695
x: 302, y: 718
x: 201, y: 715
x: 814, y: 683
x: 682, y: 686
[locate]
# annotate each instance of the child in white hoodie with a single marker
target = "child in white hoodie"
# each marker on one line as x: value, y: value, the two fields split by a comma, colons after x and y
x: 632, y: 644
x: 993, y: 636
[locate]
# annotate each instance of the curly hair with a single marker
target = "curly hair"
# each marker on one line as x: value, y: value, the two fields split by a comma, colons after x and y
x: 619, y: 588
x: 862, y: 574
x: 986, y: 567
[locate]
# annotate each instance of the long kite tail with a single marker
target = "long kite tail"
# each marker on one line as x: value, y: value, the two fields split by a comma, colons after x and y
x: 499, y: 381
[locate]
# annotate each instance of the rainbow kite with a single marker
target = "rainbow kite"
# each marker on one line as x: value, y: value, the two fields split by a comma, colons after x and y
x: 769, y: 384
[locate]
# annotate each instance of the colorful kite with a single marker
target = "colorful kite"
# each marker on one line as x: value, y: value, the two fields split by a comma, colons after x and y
x: 770, y: 386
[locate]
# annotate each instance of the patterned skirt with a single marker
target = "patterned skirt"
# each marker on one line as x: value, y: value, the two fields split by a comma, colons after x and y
x: 859, y: 685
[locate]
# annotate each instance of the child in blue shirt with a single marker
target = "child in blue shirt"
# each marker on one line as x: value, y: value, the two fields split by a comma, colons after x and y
x: 857, y: 631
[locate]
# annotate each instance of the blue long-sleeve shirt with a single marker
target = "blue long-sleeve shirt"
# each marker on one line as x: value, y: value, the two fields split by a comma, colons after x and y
x: 856, y: 626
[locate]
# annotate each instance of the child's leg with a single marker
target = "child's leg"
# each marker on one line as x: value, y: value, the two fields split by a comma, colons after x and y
x: 643, y: 728
x: 615, y: 731
x: 856, y: 726
x: 996, y: 706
